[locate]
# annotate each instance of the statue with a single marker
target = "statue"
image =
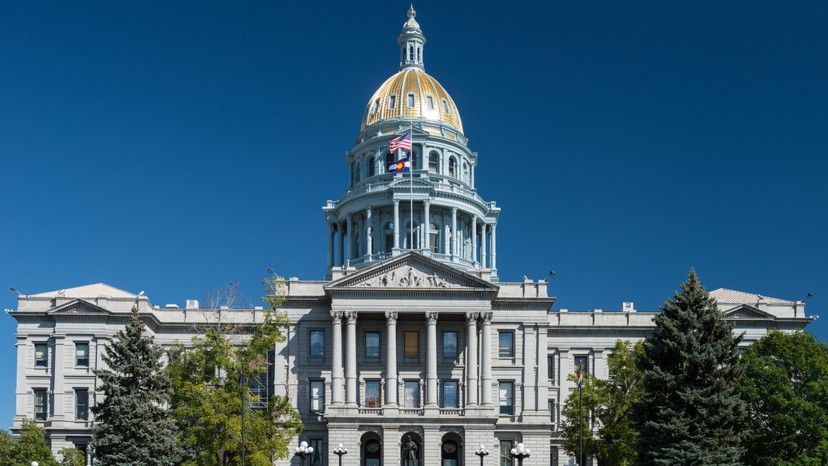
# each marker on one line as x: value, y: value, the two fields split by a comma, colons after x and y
x: 410, y: 453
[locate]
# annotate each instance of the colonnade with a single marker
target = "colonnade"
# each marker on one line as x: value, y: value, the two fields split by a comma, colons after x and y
x: 454, y: 236
x: 475, y: 322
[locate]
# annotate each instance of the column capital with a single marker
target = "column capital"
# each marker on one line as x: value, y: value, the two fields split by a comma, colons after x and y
x: 471, y: 317
x: 351, y: 316
x: 337, y: 316
x: 431, y: 316
x: 391, y: 317
x: 486, y: 316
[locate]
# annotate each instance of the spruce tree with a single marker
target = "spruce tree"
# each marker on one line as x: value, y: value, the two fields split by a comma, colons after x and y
x: 132, y: 424
x: 691, y: 412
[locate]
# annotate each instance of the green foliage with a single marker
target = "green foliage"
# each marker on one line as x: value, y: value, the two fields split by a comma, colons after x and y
x: 6, y: 442
x: 208, y: 395
x: 691, y: 412
x: 785, y: 386
x: 607, y: 403
x: 72, y: 457
x: 133, y: 426
x: 29, y: 446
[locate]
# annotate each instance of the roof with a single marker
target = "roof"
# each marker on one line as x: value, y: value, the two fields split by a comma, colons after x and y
x: 87, y: 291
x: 732, y: 296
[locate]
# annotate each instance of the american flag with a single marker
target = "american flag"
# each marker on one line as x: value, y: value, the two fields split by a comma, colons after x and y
x: 403, y: 142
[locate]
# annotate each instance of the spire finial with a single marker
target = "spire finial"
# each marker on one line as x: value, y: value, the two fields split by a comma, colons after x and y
x: 411, y: 12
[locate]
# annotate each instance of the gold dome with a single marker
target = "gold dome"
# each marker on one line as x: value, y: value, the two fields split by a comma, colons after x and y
x: 394, y: 100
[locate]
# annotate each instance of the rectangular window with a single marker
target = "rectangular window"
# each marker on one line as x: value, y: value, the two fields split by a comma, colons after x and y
x: 505, y: 456
x: 551, y: 368
x: 581, y: 364
x: 316, y: 343
x: 449, y: 345
x: 392, y: 101
x: 318, y: 450
x: 372, y: 393
x: 82, y: 404
x: 450, y: 391
x: 412, y: 344
x: 81, y: 354
x: 41, y: 404
x: 410, y: 100
x: 552, y: 413
x: 317, y: 396
x: 506, y: 344
x: 372, y: 345
x: 41, y: 355
x: 430, y: 102
x: 411, y: 393
x: 506, y: 394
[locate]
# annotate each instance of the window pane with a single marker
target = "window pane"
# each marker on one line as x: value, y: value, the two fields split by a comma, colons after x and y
x: 450, y: 399
x: 505, y: 394
x: 372, y: 393
x: 449, y: 344
x: 372, y: 345
x: 412, y: 394
x: 505, y: 457
x: 317, y: 343
x: 430, y: 102
x: 581, y: 364
x: 392, y: 101
x: 40, y: 404
x: 82, y: 354
x: 41, y: 354
x: 317, y: 396
x: 412, y: 344
x: 506, y: 346
x: 81, y: 404
x: 410, y: 101
x: 551, y: 369
x: 316, y: 456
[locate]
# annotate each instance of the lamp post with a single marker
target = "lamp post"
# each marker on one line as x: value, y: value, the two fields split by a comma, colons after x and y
x: 339, y: 451
x: 520, y: 452
x: 481, y: 452
x: 34, y: 463
x: 303, y: 450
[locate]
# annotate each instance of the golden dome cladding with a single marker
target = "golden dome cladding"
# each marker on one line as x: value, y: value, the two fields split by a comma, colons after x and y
x: 412, y: 81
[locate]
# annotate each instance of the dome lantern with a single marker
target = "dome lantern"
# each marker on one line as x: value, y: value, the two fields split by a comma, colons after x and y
x: 411, y: 42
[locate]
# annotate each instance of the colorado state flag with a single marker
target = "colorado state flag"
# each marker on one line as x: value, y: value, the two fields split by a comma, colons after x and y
x: 401, y: 166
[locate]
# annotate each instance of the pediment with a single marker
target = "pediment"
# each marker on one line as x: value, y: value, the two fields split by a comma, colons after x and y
x: 746, y: 311
x: 79, y: 307
x: 411, y: 271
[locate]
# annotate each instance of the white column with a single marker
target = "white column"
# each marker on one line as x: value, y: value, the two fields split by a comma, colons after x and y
x: 350, y: 361
x: 57, y: 372
x: 397, y: 223
x: 474, y: 238
x: 483, y: 237
x: 369, y: 234
x: 336, y: 365
x: 426, y: 224
x: 530, y: 364
x: 494, y: 246
x: 453, y: 232
x: 330, y: 246
x: 543, y: 369
x: 350, y: 229
x: 391, y: 359
x: 486, y: 356
x: 20, y: 394
x: 471, y: 358
x: 431, y: 357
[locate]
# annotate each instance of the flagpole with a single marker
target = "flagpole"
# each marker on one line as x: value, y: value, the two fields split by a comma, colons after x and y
x: 581, y: 421
x: 411, y: 188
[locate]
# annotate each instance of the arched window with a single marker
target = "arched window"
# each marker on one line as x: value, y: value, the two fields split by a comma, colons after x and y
x: 389, y: 236
x: 452, y: 167
x: 372, y: 165
x: 389, y: 159
x: 356, y: 173
x: 415, y: 159
x: 372, y: 453
x: 434, y: 162
x: 434, y: 238
x: 410, y: 53
x: 465, y: 172
x: 449, y: 453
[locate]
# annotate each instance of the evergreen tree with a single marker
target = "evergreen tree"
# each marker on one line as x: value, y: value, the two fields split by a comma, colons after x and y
x: 785, y: 386
x: 30, y: 446
x: 132, y: 424
x: 691, y: 412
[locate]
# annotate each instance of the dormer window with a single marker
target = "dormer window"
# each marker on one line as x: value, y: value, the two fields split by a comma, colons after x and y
x: 409, y: 101
x: 430, y: 102
x: 392, y: 101
x: 446, y: 107
x: 374, y: 107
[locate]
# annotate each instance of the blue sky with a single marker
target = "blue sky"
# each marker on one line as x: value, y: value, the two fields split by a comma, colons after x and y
x: 173, y: 147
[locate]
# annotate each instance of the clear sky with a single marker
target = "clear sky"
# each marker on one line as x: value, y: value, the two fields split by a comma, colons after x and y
x: 173, y: 147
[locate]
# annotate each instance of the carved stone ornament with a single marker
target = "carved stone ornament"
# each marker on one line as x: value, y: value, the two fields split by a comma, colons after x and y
x: 471, y: 317
x: 431, y: 317
x: 391, y: 317
x: 352, y: 316
x: 337, y: 316
x: 409, y: 277
x: 486, y: 316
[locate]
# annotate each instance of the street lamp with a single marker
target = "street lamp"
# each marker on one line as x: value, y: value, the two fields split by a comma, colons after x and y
x: 34, y: 463
x: 303, y: 450
x: 339, y: 451
x: 481, y: 452
x: 519, y: 452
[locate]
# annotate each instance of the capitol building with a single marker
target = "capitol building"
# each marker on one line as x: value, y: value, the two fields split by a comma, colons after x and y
x: 411, y: 335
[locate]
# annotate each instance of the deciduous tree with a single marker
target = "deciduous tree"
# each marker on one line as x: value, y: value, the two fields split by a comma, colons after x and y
x: 30, y: 446
x: 785, y: 386
x: 691, y: 412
